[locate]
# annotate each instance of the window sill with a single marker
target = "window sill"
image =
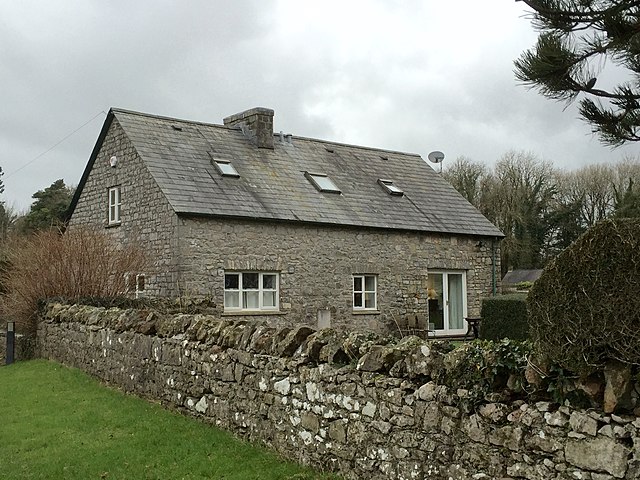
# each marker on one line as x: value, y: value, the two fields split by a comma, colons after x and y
x: 365, y: 312
x: 113, y: 225
x: 244, y: 313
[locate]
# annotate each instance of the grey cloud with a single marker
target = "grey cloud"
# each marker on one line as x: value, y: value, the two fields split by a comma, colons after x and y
x: 398, y: 87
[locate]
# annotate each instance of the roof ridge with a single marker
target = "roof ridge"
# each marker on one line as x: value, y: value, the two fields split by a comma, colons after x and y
x: 164, y: 117
x: 353, y: 145
x: 275, y: 134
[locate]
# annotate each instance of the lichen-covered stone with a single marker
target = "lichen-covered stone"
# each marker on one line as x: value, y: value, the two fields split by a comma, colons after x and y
x: 294, y: 339
x: 600, y: 454
x: 335, y: 416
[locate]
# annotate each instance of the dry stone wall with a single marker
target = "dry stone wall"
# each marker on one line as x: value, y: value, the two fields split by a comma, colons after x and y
x: 24, y: 347
x: 338, y: 402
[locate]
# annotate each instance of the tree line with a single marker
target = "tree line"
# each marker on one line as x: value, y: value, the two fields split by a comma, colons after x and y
x: 47, y: 210
x: 542, y: 209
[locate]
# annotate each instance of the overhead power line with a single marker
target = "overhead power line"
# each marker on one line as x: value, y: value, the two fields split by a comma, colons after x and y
x: 56, y: 144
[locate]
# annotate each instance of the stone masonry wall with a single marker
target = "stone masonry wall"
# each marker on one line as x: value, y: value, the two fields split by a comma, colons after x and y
x: 316, y: 264
x: 188, y: 256
x: 146, y: 217
x: 329, y: 401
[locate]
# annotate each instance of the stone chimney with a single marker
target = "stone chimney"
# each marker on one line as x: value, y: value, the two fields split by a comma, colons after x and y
x: 256, y: 124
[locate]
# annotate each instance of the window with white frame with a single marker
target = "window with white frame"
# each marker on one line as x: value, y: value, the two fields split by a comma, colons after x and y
x: 114, y: 205
x: 135, y: 283
x: 251, y: 291
x: 365, y: 292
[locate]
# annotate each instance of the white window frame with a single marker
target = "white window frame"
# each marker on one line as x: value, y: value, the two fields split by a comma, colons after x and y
x: 114, y: 205
x: 136, y: 288
x: 446, y: 330
x: 261, y: 290
x: 363, y: 291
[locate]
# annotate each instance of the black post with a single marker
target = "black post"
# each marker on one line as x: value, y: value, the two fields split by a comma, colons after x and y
x: 11, y: 342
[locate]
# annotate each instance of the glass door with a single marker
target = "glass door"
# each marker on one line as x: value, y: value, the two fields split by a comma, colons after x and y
x: 447, y: 302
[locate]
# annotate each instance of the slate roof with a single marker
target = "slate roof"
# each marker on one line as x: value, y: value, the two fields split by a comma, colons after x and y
x: 516, y: 276
x: 272, y: 184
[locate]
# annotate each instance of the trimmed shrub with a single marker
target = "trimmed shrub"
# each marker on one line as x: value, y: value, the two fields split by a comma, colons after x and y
x: 505, y: 316
x: 80, y: 263
x: 585, y: 308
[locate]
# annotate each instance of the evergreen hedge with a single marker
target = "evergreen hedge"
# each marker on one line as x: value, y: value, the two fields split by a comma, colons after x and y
x: 585, y: 308
x: 505, y: 316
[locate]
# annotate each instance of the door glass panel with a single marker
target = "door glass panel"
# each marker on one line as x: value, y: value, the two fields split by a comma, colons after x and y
x: 456, y: 311
x: 435, y: 300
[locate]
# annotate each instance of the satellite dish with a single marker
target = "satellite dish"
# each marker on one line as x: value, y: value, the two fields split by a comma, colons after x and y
x: 436, y: 157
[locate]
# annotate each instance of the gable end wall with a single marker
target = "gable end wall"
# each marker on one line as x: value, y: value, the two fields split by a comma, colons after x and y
x: 146, y: 216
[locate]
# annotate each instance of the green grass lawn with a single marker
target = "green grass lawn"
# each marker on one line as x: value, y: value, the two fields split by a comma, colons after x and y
x: 57, y: 422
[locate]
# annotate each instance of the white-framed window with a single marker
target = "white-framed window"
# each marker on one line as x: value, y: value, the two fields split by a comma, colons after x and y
x: 365, y: 289
x: 114, y: 205
x: 135, y: 283
x: 251, y: 291
x: 447, y: 301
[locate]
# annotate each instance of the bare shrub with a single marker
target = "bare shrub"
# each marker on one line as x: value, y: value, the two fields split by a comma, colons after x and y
x: 80, y: 263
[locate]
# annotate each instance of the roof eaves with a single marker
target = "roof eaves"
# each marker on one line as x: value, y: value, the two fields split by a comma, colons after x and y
x: 434, y: 231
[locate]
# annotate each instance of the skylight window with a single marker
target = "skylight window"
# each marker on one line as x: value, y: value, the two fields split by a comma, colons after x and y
x: 390, y: 188
x: 225, y: 168
x: 322, y: 182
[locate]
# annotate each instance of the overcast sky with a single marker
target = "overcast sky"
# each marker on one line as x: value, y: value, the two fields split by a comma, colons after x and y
x: 413, y: 76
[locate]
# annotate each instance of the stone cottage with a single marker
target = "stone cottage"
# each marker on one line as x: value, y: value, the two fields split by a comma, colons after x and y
x: 288, y: 229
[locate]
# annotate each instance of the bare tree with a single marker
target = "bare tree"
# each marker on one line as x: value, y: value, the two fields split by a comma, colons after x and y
x: 467, y: 177
x: 521, y: 201
x: 591, y: 187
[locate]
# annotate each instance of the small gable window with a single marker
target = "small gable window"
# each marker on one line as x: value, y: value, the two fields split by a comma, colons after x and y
x: 225, y: 168
x: 114, y: 205
x: 364, y: 292
x: 389, y: 187
x: 322, y: 182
